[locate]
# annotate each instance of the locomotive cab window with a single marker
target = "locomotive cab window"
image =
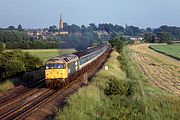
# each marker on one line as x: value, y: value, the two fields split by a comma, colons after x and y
x: 55, y: 66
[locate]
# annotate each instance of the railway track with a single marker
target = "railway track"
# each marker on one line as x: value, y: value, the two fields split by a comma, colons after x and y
x: 20, y: 91
x: 28, y: 105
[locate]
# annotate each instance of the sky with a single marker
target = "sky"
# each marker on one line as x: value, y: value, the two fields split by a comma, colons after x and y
x: 43, y: 13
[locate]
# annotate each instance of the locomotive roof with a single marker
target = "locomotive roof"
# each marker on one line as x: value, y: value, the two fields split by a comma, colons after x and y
x: 63, y: 58
x: 88, y: 51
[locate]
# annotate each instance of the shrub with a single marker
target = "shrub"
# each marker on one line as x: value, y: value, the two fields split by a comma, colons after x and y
x: 117, y: 43
x: 116, y: 87
x: 15, y: 62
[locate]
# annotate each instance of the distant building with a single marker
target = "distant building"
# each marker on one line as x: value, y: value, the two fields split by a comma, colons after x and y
x: 136, y: 39
x: 101, y: 33
x: 63, y: 33
x: 61, y: 26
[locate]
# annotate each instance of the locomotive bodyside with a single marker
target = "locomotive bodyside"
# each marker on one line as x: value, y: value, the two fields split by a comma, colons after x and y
x: 90, y: 55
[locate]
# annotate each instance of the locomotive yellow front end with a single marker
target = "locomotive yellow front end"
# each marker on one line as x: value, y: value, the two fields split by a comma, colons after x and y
x: 56, y: 71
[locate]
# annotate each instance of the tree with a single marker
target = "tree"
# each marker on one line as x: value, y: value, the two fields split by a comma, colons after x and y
x: 149, y: 37
x: 132, y: 30
x: 15, y: 62
x: 117, y: 43
x: 11, y: 28
x: 92, y: 26
x: 175, y: 31
x: 74, y: 28
x: 149, y: 29
x: 20, y: 28
x: 164, y: 37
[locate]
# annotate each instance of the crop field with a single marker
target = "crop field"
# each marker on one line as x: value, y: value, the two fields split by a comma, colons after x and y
x: 45, y: 54
x: 161, y: 70
x: 170, y: 50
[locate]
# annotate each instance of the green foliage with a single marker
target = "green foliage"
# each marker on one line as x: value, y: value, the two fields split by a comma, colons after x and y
x: 164, y: 37
x: 132, y: 30
x: 37, y: 44
x: 12, y: 36
x: 116, y: 87
x: 15, y: 62
x: 173, y: 30
x: 149, y: 37
x: 12, y: 67
x: 117, y: 43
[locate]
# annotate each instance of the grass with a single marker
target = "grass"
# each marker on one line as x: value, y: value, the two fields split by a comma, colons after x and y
x: 158, y: 104
x: 170, y: 50
x: 45, y: 54
x: 6, y: 85
x: 91, y: 102
x: 121, y: 92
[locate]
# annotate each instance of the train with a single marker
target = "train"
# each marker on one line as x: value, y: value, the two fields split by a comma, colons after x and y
x: 61, y: 70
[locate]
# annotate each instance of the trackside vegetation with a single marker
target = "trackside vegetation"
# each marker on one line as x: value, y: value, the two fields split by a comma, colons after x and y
x: 170, y: 50
x: 16, y: 62
x: 120, y: 93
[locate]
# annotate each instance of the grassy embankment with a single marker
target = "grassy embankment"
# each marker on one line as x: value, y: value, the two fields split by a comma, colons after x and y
x: 44, y: 54
x: 122, y: 92
x: 170, y: 50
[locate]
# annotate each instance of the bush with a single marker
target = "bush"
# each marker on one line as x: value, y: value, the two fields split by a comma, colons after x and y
x: 117, y: 43
x: 15, y: 62
x: 12, y: 67
x: 116, y: 87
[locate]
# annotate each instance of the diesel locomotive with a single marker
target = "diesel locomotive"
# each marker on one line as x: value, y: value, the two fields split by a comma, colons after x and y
x: 60, y: 69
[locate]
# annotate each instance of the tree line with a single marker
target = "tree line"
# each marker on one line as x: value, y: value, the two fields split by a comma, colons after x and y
x: 162, y: 34
x: 81, y: 37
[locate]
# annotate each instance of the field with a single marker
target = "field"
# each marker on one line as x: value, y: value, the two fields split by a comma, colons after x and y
x: 170, y: 50
x: 45, y: 54
x: 164, y: 72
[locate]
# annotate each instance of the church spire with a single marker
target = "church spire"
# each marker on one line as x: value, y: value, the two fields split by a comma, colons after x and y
x: 61, y: 22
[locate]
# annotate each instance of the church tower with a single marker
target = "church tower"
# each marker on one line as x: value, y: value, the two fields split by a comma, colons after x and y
x: 61, y: 23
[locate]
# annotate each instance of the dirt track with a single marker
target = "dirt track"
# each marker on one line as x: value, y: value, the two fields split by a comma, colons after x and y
x: 163, y: 71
